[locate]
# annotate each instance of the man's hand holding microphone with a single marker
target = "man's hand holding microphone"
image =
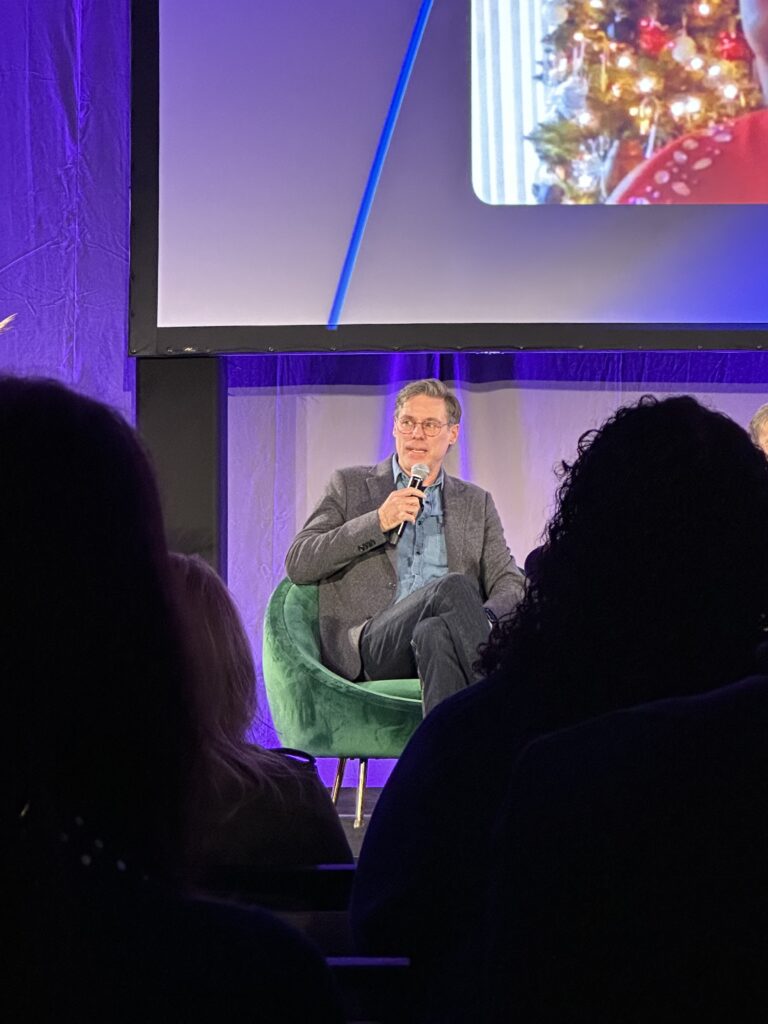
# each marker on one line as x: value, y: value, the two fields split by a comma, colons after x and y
x: 402, y: 506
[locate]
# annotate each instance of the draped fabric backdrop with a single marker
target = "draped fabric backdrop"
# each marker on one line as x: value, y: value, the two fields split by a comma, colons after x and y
x: 64, y: 214
x: 64, y: 177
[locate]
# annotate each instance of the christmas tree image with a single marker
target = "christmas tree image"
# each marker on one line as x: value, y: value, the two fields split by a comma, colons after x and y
x: 622, y: 78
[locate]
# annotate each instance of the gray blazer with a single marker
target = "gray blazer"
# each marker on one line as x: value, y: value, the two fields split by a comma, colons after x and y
x: 341, y: 547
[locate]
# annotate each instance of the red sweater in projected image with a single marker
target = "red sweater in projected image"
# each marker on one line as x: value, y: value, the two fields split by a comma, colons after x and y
x: 727, y: 163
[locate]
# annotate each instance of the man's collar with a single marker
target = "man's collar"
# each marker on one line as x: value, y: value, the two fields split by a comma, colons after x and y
x: 397, y: 473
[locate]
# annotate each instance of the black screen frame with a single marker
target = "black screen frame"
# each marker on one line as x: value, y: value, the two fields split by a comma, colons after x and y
x: 146, y: 338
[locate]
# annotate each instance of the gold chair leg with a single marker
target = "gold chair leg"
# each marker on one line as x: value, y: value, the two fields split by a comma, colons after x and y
x: 359, y: 812
x: 338, y: 779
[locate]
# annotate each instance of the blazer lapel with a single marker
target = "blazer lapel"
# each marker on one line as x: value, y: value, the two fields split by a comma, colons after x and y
x: 380, y: 484
x: 454, y: 512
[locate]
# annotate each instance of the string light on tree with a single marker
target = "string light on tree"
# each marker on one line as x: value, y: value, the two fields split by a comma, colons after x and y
x: 624, y: 77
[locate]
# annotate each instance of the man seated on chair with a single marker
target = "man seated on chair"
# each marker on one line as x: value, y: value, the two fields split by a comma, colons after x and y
x: 423, y: 603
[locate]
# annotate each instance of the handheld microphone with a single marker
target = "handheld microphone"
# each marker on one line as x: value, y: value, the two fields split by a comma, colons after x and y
x: 419, y: 474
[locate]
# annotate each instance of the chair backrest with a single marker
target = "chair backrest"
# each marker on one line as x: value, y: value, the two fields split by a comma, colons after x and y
x: 301, y: 615
x: 313, y: 708
x: 629, y: 877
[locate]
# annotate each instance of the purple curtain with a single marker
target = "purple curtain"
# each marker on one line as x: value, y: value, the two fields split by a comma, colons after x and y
x: 64, y: 181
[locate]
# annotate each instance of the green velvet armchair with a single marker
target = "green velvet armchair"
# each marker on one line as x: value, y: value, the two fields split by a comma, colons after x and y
x: 314, y: 709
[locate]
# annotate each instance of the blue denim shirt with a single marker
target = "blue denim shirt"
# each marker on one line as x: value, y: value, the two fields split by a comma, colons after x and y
x: 421, y: 553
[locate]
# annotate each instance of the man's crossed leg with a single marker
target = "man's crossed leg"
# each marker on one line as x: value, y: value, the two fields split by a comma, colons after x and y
x: 435, y: 633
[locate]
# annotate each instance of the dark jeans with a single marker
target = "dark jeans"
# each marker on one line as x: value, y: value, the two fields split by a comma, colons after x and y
x: 435, y: 633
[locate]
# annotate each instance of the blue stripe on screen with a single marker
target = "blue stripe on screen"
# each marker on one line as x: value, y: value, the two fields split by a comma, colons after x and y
x: 378, y: 163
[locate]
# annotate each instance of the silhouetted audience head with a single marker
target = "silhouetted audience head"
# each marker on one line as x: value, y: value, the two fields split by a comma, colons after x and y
x: 226, y: 675
x: 758, y: 428
x: 653, y: 578
x: 102, y: 760
x: 99, y: 727
x: 219, y: 645
x: 258, y: 808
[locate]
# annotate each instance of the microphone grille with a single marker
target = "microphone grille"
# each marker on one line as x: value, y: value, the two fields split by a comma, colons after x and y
x: 420, y: 470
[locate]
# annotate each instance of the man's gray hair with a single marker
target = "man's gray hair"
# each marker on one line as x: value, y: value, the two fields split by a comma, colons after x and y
x: 432, y: 388
x: 758, y: 422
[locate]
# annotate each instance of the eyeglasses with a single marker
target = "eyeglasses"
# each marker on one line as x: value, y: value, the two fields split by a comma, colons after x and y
x: 407, y: 425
